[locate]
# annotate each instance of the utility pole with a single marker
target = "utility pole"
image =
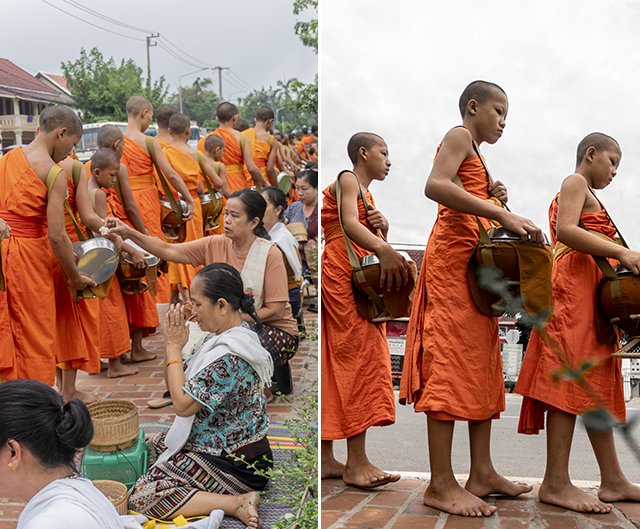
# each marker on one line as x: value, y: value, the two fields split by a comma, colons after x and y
x: 149, y: 45
x: 220, y: 68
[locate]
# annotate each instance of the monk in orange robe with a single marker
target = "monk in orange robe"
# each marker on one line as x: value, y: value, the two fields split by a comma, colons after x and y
x: 142, y: 176
x: 77, y: 320
x: 452, y: 367
x: 357, y: 392
x: 184, y: 160
x: 214, y: 147
x: 233, y: 160
x: 573, y: 327
x: 113, y: 324
x: 258, y: 150
x: 142, y: 314
x: 35, y: 213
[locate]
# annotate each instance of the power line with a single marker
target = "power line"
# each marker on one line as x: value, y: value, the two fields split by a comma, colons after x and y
x: 92, y: 24
x: 242, y: 80
x: 106, y: 18
x: 184, y: 52
x: 176, y: 56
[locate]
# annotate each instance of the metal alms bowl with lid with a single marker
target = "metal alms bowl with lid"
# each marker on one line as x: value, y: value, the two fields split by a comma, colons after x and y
x: 96, y: 258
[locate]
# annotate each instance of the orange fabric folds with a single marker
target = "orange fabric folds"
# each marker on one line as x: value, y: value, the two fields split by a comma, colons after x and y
x: 260, y: 150
x: 452, y: 365
x: 575, y: 277
x: 232, y: 159
x: 114, y: 330
x: 189, y: 171
x: 27, y: 307
x: 357, y: 392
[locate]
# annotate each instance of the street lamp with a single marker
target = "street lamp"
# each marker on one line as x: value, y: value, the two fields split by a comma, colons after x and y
x: 180, y: 83
x: 282, y: 123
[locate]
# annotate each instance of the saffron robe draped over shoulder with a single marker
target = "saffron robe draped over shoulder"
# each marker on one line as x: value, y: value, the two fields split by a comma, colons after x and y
x: 260, y: 150
x: 27, y: 307
x: 77, y: 321
x: 142, y: 179
x: 189, y: 171
x: 357, y: 392
x: 231, y: 157
x: 452, y: 365
x: 575, y: 277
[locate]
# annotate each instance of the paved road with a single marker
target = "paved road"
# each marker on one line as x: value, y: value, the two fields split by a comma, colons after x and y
x: 403, y: 446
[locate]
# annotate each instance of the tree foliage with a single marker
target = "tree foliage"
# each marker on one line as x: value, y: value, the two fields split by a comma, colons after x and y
x: 101, y: 87
x: 198, y: 101
x: 307, y: 30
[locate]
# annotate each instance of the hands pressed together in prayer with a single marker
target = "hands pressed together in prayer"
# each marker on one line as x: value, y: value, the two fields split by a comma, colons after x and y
x: 176, y: 332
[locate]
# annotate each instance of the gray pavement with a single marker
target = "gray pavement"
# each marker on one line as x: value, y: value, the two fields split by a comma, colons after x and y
x: 403, y: 446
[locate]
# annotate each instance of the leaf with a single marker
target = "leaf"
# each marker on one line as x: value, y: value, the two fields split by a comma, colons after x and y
x: 599, y: 420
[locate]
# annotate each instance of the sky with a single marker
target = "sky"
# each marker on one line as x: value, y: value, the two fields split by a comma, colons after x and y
x: 255, y: 39
x: 569, y: 68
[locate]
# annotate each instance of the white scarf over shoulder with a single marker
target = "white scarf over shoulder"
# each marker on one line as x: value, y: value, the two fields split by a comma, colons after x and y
x: 254, y: 269
x: 289, y: 246
x: 240, y: 341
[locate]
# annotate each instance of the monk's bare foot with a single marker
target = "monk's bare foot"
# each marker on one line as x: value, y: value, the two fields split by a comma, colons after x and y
x: 494, y: 483
x: 140, y: 355
x: 623, y: 491
x: 367, y: 476
x: 118, y: 369
x: 85, y: 396
x: 572, y: 498
x: 456, y: 500
x: 246, y: 509
x: 331, y: 470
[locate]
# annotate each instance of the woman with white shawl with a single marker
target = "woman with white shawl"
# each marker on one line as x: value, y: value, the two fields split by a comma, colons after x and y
x: 40, y: 436
x: 209, y: 457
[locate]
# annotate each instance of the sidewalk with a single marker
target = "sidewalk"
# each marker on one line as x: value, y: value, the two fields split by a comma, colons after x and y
x: 399, y: 506
x: 149, y: 384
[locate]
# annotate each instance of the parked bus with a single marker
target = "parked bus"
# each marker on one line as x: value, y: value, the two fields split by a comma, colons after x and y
x: 88, y: 144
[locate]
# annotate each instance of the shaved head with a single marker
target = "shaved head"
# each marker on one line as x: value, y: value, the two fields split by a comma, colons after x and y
x: 212, y: 142
x: 599, y: 141
x: 104, y: 159
x: 226, y: 111
x: 58, y: 116
x: 178, y: 123
x: 481, y: 91
x: 136, y: 105
x: 108, y: 135
x: 163, y: 115
x: 362, y: 139
x: 264, y: 114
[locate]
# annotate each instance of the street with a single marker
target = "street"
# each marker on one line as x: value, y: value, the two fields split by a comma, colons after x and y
x: 403, y: 446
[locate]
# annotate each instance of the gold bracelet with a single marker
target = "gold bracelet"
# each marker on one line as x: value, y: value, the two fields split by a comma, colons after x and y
x: 173, y: 362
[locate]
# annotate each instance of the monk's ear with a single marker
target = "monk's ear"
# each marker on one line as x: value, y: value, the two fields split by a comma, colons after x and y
x: 472, y: 107
x: 362, y: 152
x: 590, y: 154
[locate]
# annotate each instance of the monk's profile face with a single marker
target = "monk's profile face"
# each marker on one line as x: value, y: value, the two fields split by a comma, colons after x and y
x: 64, y: 144
x: 106, y: 177
x: 217, y: 153
x: 376, y: 159
x: 604, y: 166
x: 490, y: 116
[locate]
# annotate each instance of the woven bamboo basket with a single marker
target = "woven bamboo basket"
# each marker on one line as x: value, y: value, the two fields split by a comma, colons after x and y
x: 115, y: 425
x: 115, y: 492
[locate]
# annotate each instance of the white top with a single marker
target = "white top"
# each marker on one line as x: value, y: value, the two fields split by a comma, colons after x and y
x: 69, y: 504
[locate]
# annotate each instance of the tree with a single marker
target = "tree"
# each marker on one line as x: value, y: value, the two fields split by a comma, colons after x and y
x: 101, y: 88
x: 306, y: 100
x: 198, y: 102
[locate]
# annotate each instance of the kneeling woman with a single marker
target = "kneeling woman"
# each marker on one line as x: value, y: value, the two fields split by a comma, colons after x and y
x: 221, y: 408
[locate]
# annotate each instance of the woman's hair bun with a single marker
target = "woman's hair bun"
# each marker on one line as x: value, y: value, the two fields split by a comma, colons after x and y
x: 75, y: 429
x: 247, y: 304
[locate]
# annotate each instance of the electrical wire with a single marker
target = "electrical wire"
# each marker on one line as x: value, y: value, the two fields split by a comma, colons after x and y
x: 105, y: 17
x: 92, y: 24
x: 176, y: 56
x: 242, y: 80
x: 184, y: 52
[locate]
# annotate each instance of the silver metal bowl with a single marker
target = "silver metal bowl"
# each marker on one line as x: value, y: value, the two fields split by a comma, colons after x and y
x: 96, y: 258
x: 503, y: 234
x: 373, y: 258
x: 165, y: 202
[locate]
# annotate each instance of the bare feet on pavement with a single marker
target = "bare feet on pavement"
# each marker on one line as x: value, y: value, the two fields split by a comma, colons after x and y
x: 494, y: 483
x: 572, y: 498
x: 118, y: 369
x: 456, y: 500
x: 247, y: 510
x: 332, y: 470
x: 624, y: 491
x: 140, y: 355
x: 367, y: 476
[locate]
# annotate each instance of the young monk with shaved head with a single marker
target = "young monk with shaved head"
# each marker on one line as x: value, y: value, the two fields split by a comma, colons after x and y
x: 580, y: 229
x: 357, y: 392
x: 259, y: 150
x: 32, y: 193
x: 452, y: 368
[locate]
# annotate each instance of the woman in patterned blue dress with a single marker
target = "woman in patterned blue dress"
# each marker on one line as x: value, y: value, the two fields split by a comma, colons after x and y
x: 208, y: 458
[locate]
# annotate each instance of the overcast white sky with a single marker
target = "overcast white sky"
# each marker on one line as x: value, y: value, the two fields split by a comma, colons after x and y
x: 569, y: 68
x: 255, y: 38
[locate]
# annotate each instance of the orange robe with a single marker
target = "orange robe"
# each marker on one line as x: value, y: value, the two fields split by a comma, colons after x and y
x: 114, y: 328
x: 452, y: 364
x: 357, y: 391
x: 143, y: 182
x: 189, y: 171
x: 260, y: 150
x: 77, y: 321
x: 575, y: 277
x: 231, y: 158
x: 27, y: 307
